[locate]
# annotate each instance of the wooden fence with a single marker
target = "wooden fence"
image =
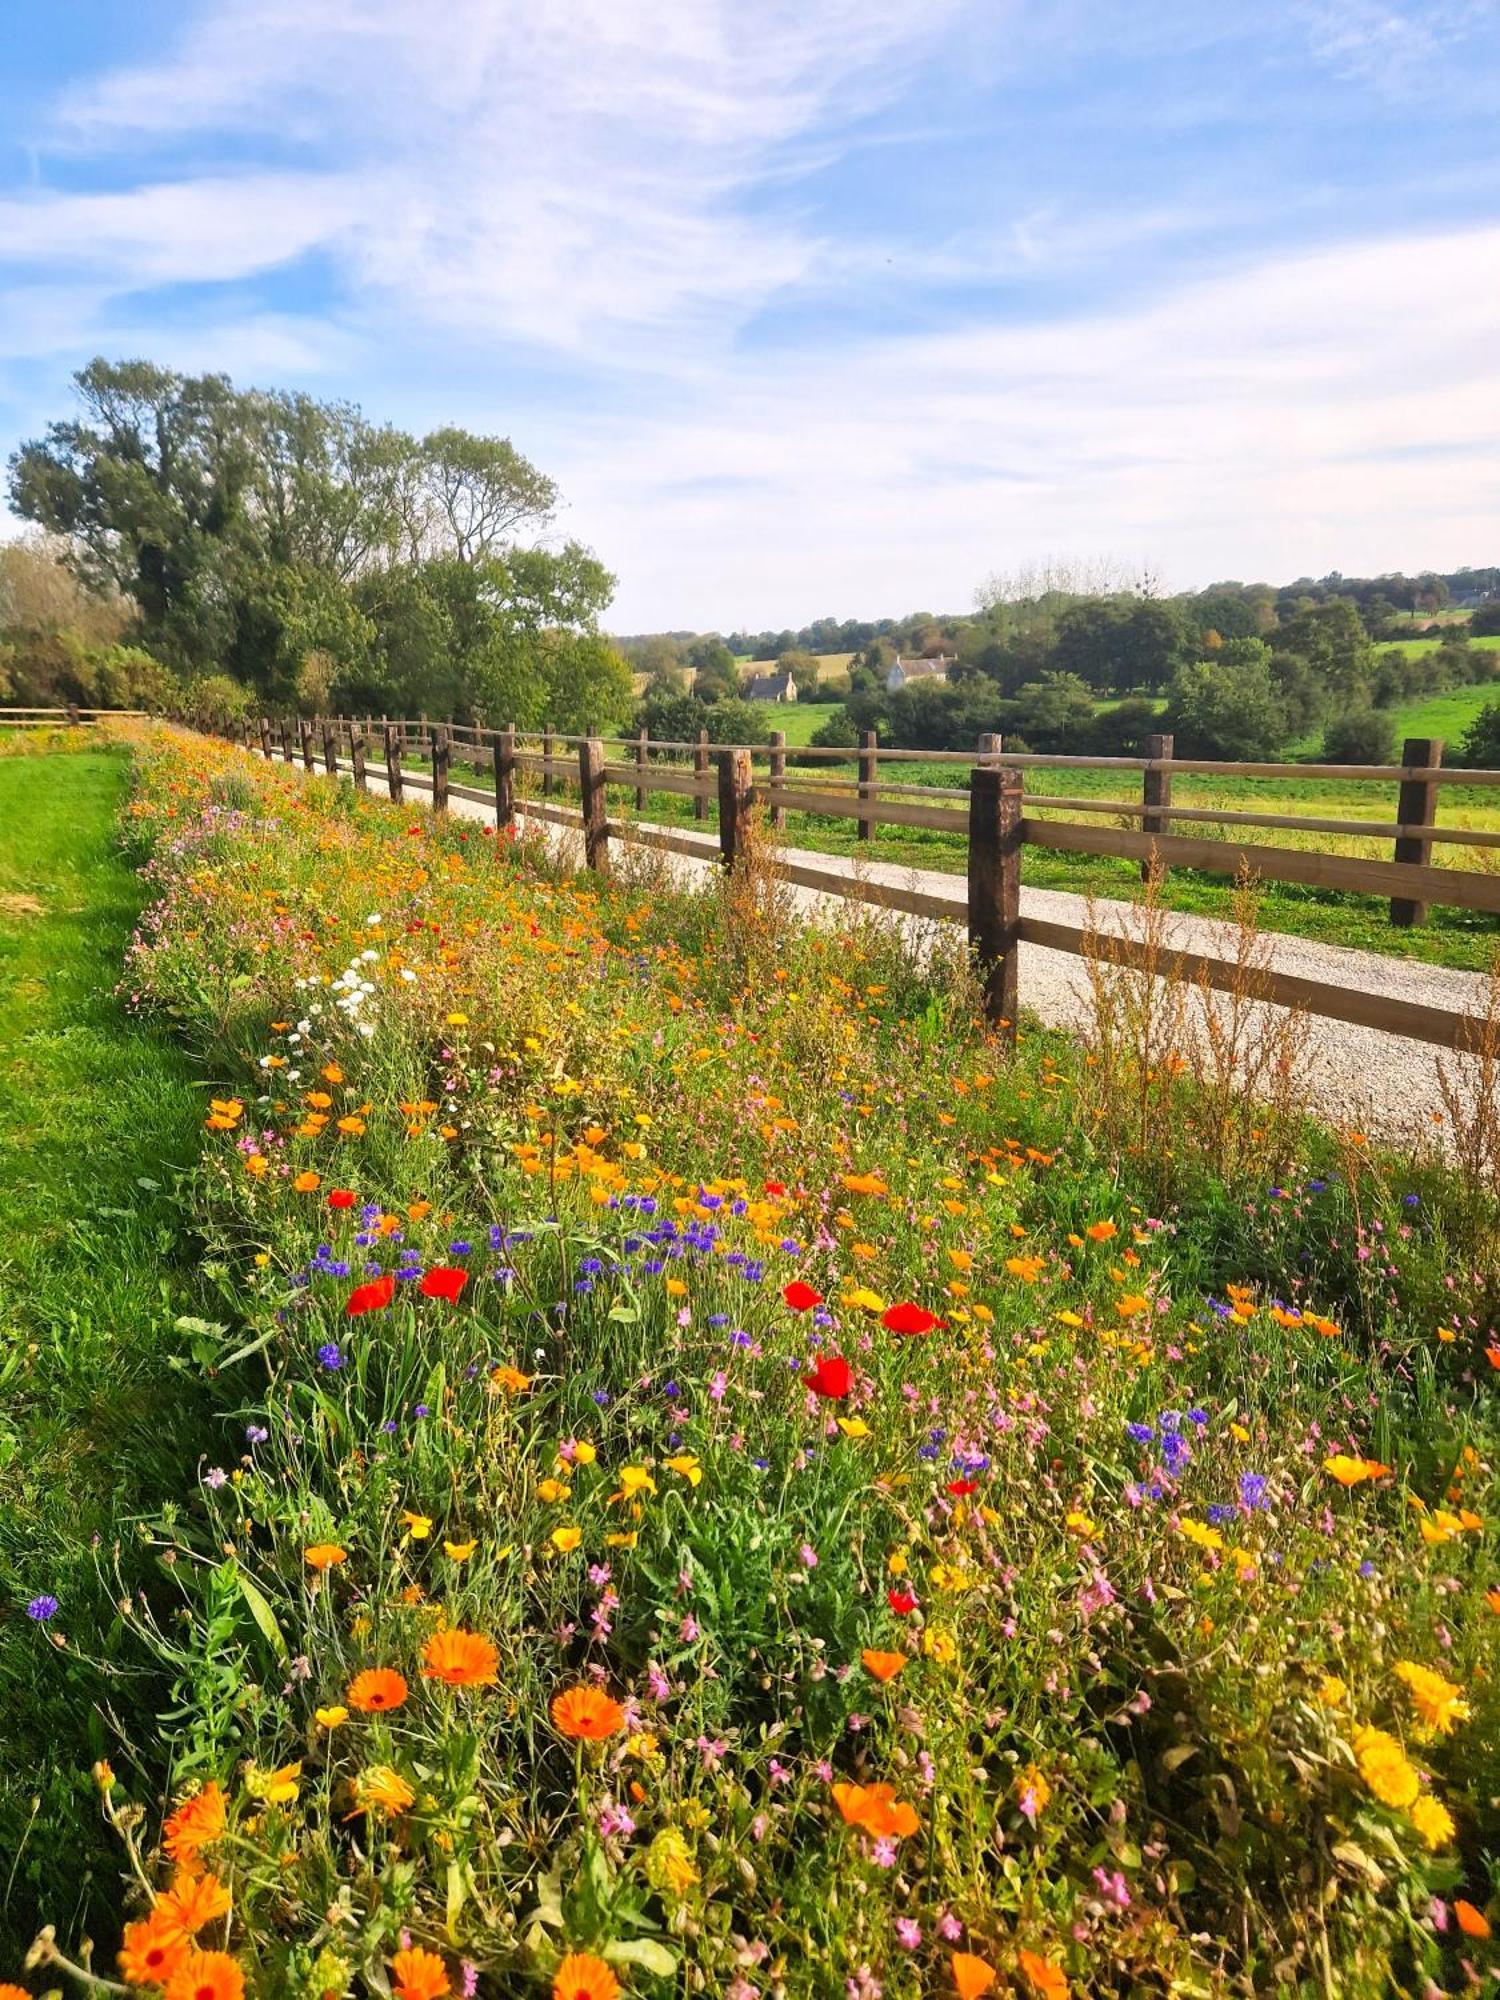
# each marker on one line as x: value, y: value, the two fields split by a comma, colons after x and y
x: 990, y: 812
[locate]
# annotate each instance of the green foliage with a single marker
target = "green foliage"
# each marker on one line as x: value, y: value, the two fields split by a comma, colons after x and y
x: 1226, y: 708
x: 1360, y: 736
x: 1480, y: 748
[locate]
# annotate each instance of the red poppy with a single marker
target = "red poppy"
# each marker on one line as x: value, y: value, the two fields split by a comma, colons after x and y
x: 907, y: 1318
x: 341, y: 1198
x: 901, y: 1602
x: 371, y: 1297
x: 444, y: 1282
x: 963, y: 1487
x: 774, y: 1187
x: 831, y: 1376
x: 801, y: 1298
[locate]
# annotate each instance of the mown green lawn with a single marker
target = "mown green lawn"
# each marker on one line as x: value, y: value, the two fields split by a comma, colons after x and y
x: 97, y: 1118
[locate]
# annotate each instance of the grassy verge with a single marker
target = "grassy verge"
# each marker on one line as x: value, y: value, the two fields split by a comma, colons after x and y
x: 96, y: 1117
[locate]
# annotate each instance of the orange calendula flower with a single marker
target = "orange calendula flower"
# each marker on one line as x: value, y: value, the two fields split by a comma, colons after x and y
x: 207, y: 1975
x: 194, y: 1901
x: 307, y: 1183
x: 1473, y: 1923
x: 1353, y: 1471
x: 1100, y: 1232
x: 971, y: 1975
x: 197, y: 1823
x: 884, y: 1666
x: 419, y: 1975
x: 324, y: 1556
x: 1043, y: 1977
x: 460, y: 1659
x: 587, y: 1712
x: 152, y: 1950
x: 581, y: 1976
x: 876, y: 1810
x: 382, y: 1791
x: 376, y: 1690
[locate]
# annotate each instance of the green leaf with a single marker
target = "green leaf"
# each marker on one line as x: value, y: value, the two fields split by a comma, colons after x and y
x: 646, y: 1953
x: 260, y: 1610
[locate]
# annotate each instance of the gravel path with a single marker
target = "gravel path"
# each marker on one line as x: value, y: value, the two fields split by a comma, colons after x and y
x: 1376, y: 1082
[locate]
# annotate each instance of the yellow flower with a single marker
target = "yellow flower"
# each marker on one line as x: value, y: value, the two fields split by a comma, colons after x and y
x: 565, y: 1540
x: 511, y: 1380
x: 1078, y: 1523
x: 584, y: 1453
x: 862, y: 1299
x: 854, y: 1427
x: 634, y: 1480
x: 1032, y: 1792
x: 382, y: 1791
x: 1205, y: 1537
x: 330, y: 1718
x: 1331, y: 1691
x: 553, y: 1490
x: 1437, y: 1701
x: 897, y: 1563
x: 669, y: 1866
x: 1432, y: 1820
x: 939, y: 1645
x: 457, y: 1020
x: 459, y: 1552
x: 686, y: 1464
x: 417, y: 1526
x: 1384, y: 1766
x: 277, y: 1788
x: 622, y: 1541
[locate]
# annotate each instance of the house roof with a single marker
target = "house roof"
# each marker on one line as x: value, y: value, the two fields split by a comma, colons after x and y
x: 770, y: 687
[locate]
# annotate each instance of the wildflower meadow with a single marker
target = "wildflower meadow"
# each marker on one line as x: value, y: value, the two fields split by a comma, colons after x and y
x: 716, y: 1476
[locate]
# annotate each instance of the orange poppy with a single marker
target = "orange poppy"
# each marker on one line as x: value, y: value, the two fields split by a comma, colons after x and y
x: 1043, y: 1977
x: 207, y: 1975
x: 1473, y: 1923
x: 587, y: 1712
x: 152, y: 1951
x: 376, y: 1690
x: 971, y: 1975
x: 419, y: 1975
x: 581, y: 1976
x: 876, y: 1810
x: 324, y: 1556
x: 1100, y: 1232
x: 193, y: 1901
x: 460, y: 1659
x: 884, y: 1666
x: 197, y: 1823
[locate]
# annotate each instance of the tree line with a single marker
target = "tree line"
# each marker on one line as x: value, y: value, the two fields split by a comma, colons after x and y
x: 252, y: 548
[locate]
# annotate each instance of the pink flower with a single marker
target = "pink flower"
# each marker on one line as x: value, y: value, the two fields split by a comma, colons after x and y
x: 908, y: 1933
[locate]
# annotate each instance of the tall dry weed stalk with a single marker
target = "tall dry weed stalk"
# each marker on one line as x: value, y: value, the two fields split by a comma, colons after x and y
x: 1469, y: 1084
x: 1179, y: 1066
x: 756, y: 905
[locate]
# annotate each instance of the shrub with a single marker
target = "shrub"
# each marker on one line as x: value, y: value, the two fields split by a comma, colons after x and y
x: 1363, y: 736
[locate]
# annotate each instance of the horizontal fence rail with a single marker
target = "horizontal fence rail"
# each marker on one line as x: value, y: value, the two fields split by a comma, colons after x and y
x: 992, y: 815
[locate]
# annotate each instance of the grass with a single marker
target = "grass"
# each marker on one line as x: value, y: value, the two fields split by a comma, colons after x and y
x: 96, y: 1118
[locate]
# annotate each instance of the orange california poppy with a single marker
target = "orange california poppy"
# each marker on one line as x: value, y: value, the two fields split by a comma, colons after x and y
x: 884, y: 1666
x: 460, y: 1659
x: 876, y: 1810
x: 324, y: 1556
x: 971, y: 1975
x: 193, y: 1901
x: 581, y: 1976
x: 1100, y: 1232
x: 376, y: 1690
x: 207, y: 1975
x: 1473, y: 1923
x: 12, y: 1992
x: 1043, y: 1977
x: 587, y: 1712
x: 197, y: 1823
x: 153, y: 1949
x: 419, y: 1975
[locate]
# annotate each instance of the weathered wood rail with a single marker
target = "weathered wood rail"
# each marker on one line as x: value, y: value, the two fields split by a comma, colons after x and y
x: 991, y: 813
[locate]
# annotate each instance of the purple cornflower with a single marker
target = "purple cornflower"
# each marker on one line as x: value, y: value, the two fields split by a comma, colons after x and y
x: 40, y: 1609
x: 330, y: 1356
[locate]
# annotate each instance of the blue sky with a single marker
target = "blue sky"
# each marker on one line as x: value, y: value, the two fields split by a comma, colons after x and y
x: 812, y: 306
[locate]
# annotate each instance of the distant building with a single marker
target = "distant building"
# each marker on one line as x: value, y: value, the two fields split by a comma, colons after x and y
x: 904, y: 672
x: 772, y: 687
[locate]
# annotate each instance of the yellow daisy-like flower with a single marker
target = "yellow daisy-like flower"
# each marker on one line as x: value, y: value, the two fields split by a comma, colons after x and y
x: 1331, y: 1691
x: 1433, y: 1821
x: 1438, y: 1702
x: 1385, y: 1768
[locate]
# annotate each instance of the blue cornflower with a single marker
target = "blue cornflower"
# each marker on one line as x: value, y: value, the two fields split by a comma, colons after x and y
x: 329, y: 1356
x: 671, y: 1391
x: 40, y: 1609
x: 256, y: 1434
x: 421, y: 1410
x: 718, y: 1319
x: 1218, y: 1514
x: 460, y: 1249
x: 1142, y: 1433
x: 601, y: 1397
x: 1253, y: 1490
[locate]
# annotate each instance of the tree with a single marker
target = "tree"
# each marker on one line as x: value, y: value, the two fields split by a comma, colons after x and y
x: 1485, y: 623
x: 1480, y: 748
x: 1226, y: 709
x: 1054, y: 714
x: 1360, y: 736
x: 1331, y: 638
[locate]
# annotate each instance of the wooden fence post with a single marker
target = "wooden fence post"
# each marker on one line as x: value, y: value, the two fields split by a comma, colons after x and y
x: 439, y: 768
x: 330, y: 749
x: 868, y: 755
x: 266, y: 748
x: 547, y: 763
x: 1156, y: 791
x: 995, y: 888
x: 505, y: 777
x: 393, y: 760
x: 1416, y: 805
x: 641, y: 743
x: 736, y: 797
x: 700, y: 772
x: 595, y: 814
x: 778, y: 776
x: 357, y: 756
x: 989, y: 746
x: 72, y: 715
x: 305, y: 731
